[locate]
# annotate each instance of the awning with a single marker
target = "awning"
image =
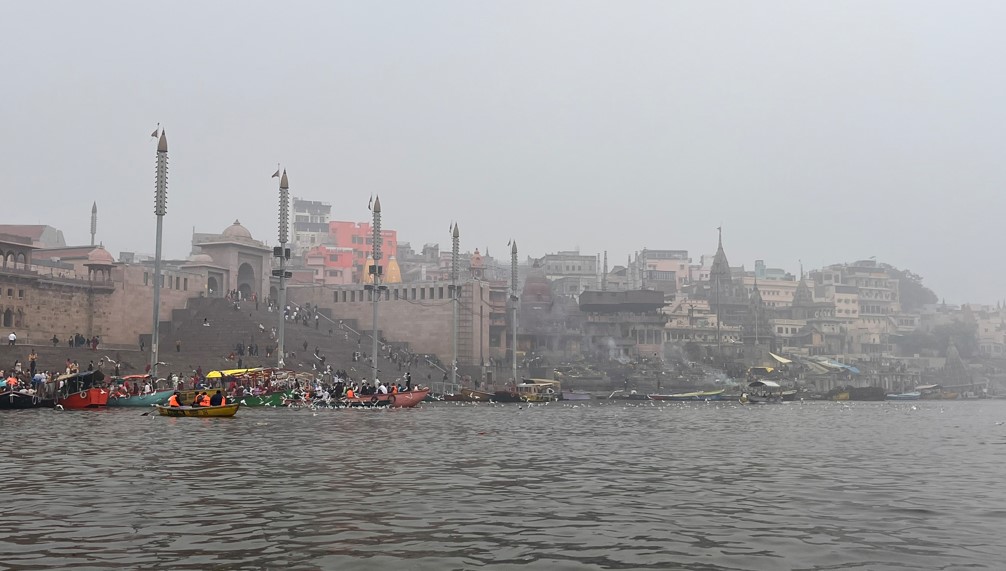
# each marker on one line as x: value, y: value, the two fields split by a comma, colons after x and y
x: 782, y: 360
x: 229, y: 372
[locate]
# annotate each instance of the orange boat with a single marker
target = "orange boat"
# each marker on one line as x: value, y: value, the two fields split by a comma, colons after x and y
x: 404, y: 399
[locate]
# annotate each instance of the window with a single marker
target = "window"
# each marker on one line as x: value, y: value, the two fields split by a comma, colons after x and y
x: 146, y: 278
x: 185, y: 284
x: 422, y: 293
x: 10, y: 292
x: 352, y: 295
x: 440, y: 293
x: 335, y: 297
x: 20, y: 294
x: 178, y: 282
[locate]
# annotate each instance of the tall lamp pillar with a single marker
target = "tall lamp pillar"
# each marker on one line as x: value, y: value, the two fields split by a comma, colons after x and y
x: 375, y: 271
x: 160, y: 209
x: 454, y: 304
x: 283, y: 253
x: 513, y: 303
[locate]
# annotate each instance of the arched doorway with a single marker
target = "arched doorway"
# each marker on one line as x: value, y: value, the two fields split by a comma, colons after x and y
x: 213, y: 286
x: 8, y: 318
x: 246, y: 280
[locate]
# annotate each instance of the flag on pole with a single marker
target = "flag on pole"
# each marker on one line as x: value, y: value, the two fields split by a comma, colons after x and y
x: 369, y: 204
x: 154, y: 134
x: 276, y: 174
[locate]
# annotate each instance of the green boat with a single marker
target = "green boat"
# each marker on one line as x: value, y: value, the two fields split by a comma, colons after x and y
x: 271, y: 399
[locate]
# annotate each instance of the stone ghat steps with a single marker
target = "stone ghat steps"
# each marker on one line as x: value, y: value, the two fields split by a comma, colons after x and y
x: 54, y: 358
x: 208, y: 347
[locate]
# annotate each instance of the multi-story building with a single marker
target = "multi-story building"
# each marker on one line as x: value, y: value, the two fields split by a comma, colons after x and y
x: 623, y: 324
x: 359, y: 237
x: 664, y: 270
x: 310, y: 224
x: 570, y: 272
x: 330, y: 265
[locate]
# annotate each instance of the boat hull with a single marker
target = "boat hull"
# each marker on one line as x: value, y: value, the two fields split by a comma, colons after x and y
x: 904, y: 396
x: 15, y: 400
x: 222, y: 411
x: 88, y: 398
x: 159, y: 397
x: 693, y: 396
x: 407, y: 399
x: 271, y: 399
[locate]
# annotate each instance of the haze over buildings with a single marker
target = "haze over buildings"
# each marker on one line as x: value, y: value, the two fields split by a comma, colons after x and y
x: 821, y: 132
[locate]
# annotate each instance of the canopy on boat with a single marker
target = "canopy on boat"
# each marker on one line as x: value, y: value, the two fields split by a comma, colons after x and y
x: 764, y: 383
x: 228, y: 372
x: 782, y: 360
x: 926, y: 387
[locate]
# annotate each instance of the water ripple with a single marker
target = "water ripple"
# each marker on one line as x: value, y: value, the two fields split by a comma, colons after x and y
x: 596, y: 486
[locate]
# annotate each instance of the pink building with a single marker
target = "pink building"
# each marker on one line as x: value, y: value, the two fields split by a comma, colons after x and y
x: 331, y: 265
x: 358, y: 236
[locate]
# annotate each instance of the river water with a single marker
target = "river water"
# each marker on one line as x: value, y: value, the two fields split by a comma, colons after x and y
x: 912, y: 485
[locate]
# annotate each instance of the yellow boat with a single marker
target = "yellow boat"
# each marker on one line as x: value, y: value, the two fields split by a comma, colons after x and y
x: 201, y: 411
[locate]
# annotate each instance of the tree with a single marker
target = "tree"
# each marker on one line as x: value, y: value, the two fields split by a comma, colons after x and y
x: 914, y: 295
x: 963, y: 334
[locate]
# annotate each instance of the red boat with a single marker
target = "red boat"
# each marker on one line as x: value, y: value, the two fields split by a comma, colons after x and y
x: 404, y: 399
x: 82, y: 390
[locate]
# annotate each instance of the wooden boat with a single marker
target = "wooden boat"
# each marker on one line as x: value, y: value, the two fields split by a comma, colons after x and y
x: 469, y: 395
x: 121, y: 398
x: 157, y: 397
x: 269, y: 399
x: 574, y: 395
x: 913, y: 395
x: 539, y: 390
x: 406, y: 399
x: 692, y: 396
x: 82, y: 390
x: 225, y: 410
x: 18, y: 400
x: 632, y: 395
x: 763, y: 391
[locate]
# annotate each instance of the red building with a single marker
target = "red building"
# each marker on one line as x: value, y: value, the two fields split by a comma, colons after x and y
x: 358, y: 236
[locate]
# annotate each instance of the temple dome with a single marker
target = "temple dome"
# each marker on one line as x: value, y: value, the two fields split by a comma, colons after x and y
x: 236, y: 232
x: 200, y: 259
x: 100, y: 256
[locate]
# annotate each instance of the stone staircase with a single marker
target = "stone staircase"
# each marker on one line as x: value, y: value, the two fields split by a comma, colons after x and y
x: 208, y: 347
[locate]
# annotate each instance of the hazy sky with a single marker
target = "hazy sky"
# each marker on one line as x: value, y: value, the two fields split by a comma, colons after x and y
x: 816, y: 131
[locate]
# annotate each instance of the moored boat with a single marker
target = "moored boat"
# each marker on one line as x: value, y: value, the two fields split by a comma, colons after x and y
x: 122, y: 397
x: 149, y: 399
x: 692, y: 396
x: 82, y: 390
x: 404, y: 399
x: 22, y: 399
x: 539, y: 390
x: 913, y: 395
x: 225, y: 410
x: 575, y: 395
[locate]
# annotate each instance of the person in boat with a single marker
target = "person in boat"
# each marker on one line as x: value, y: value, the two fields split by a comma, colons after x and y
x: 350, y: 393
x: 198, y: 399
x: 173, y: 400
x: 218, y: 399
x: 381, y: 389
x: 205, y: 399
